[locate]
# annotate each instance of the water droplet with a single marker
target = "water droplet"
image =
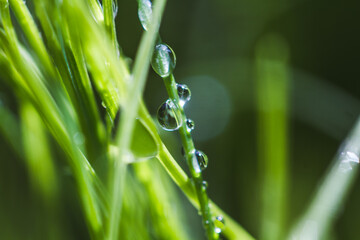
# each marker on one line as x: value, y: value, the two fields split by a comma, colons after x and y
x: 115, y: 8
x: 190, y: 124
x: 219, y: 222
x: 348, y: 160
x: 184, y: 93
x: 169, y: 116
x: 204, y: 185
x: 196, y: 165
x: 145, y: 13
x: 163, y: 60
x: 202, y: 159
x: 103, y: 104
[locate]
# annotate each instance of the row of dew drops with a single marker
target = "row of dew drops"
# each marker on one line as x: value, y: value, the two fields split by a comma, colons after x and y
x: 169, y: 117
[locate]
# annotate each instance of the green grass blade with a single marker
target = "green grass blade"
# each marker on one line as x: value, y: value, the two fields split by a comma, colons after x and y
x: 32, y: 33
x: 232, y: 229
x: 10, y: 128
x: 37, y: 154
x: 109, y: 20
x: 165, y: 214
x: 272, y: 103
x: 127, y: 120
x: 31, y: 82
x: 327, y: 202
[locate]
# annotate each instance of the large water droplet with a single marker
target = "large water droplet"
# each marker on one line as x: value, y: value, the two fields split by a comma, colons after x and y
x: 184, y: 93
x: 145, y: 13
x: 115, y: 8
x: 190, y: 124
x: 169, y: 116
x: 202, y: 159
x: 163, y: 60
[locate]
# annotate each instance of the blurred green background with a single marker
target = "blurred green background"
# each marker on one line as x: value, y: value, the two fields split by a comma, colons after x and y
x: 220, y: 46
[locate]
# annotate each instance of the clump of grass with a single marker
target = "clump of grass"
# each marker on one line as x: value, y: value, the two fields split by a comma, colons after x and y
x: 73, y: 65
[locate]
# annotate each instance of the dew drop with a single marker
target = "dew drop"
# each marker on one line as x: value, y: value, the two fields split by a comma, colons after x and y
x: 204, y: 185
x: 202, y: 159
x: 184, y: 93
x: 219, y: 222
x: 217, y: 230
x: 169, y: 116
x: 190, y: 124
x: 103, y: 104
x: 145, y: 13
x: 163, y: 60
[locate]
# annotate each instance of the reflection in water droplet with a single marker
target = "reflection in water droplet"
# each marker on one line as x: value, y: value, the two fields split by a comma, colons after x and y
x: 217, y: 230
x: 190, y: 124
x: 169, y: 116
x: 145, y: 13
x: 163, y: 60
x: 202, y: 159
x: 184, y: 93
x: 347, y: 161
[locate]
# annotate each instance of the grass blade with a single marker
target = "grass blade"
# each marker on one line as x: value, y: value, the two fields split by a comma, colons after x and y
x: 272, y: 98
x: 329, y: 198
x: 127, y: 120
